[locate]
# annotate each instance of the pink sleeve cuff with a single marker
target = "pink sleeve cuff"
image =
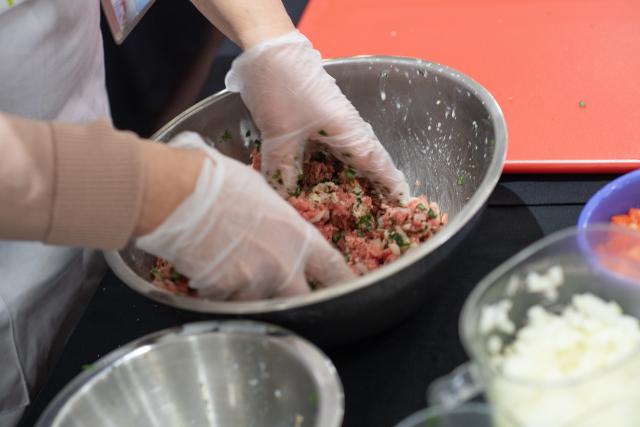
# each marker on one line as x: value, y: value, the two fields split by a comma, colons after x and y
x: 98, y: 185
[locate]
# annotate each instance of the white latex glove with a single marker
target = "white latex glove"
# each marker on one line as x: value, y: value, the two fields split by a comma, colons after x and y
x: 235, y: 238
x: 292, y: 99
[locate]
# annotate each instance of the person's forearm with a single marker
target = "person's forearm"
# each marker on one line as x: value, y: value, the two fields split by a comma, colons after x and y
x: 169, y: 177
x: 86, y: 185
x: 247, y: 22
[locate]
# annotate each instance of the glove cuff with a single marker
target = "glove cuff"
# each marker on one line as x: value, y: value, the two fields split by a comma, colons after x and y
x: 234, y: 78
x: 177, y: 229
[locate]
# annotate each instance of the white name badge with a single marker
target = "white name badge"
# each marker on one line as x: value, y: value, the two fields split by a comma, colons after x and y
x: 123, y: 15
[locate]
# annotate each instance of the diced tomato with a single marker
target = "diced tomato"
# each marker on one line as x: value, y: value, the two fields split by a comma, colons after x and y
x: 631, y: 219
x: 634, y: 213
x: 624, y: 249
x: 621, y: 219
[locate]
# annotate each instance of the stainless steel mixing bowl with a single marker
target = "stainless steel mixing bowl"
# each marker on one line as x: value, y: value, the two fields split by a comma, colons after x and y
x: 234, y: 373
x: 443, y: 130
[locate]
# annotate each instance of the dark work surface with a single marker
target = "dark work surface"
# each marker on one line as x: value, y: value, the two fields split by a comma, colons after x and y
x: 385, y: 377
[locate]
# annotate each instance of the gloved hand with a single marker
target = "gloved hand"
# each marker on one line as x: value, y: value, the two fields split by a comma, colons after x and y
x: 292, y: 99
x: 235, y: 238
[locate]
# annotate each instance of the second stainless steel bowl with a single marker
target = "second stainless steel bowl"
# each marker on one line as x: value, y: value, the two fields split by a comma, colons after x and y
x: 206, y: 374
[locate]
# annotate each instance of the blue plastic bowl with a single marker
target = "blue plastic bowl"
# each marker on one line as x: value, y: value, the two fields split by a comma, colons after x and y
x: 614, y: 198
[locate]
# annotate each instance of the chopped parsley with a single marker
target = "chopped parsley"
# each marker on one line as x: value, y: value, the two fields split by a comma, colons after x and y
x: 175, y: 275
x: 88, y: 367
x: 226, y: 136
x: 364, y: 222
x: 336, y: 237
x: 431, y: 214
x: 314, y: 284
x: 399, y: 240
x: 278, y: 177
x: 582, y: 104
x: 350, y: 174
x: 313, y: 399
x: 296, y: 192
x: 431, y: 422
x: 156, y: 273
x: 323, y: 132
x: 360, y: 233
x: 460, y: 180
x: 421, y: 206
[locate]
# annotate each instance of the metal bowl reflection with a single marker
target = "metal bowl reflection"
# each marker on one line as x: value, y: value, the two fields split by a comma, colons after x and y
x: 443, y: 130
x: 234, y: 373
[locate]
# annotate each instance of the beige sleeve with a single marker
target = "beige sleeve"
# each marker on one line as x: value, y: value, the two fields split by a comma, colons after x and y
x: 76, y: 185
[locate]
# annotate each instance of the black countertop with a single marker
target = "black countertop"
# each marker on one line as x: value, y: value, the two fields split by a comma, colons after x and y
x: 385, y: 377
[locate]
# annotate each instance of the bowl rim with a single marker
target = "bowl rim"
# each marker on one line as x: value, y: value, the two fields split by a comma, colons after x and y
x: 601, y: 195
x: 471, y: 208
x: 321, y: 368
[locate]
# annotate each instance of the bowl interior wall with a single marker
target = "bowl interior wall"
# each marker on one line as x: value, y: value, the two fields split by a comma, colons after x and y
x: 438, y: 132
x: 226, y: 380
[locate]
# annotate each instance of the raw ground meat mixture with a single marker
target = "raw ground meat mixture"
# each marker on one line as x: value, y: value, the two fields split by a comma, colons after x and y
x: 165, y: 276
x: 344, y: 206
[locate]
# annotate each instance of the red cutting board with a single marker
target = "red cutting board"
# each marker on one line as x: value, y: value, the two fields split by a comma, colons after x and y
x: 565, y: 72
